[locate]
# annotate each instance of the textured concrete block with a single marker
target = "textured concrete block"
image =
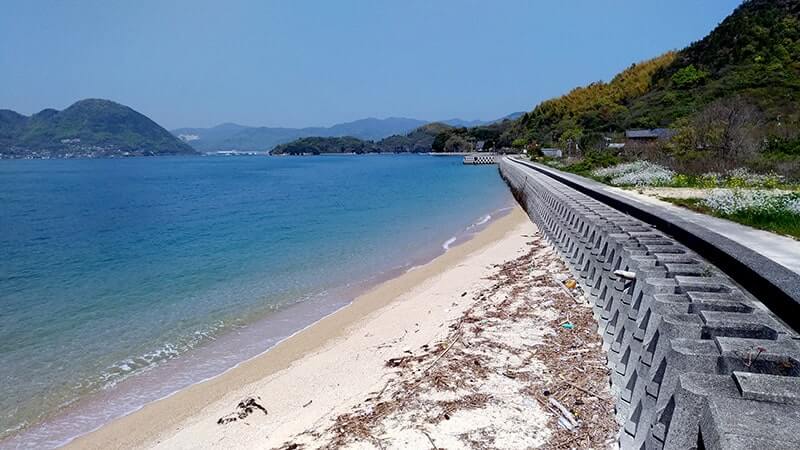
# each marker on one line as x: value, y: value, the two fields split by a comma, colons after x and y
x: 729, y: 423
x: 696, y: 361
x: 768, y: 388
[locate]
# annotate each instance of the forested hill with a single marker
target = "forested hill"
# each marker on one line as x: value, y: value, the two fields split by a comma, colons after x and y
x: 322, y: 145
x: 752, y: 57
x: 88, y: 128
x: 597, y: 108
x: 418, y: 140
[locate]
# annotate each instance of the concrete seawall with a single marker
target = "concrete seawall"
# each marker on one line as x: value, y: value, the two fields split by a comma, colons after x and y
x: 695, y: 360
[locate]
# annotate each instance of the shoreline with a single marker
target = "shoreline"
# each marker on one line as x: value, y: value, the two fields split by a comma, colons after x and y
x: 130, y: 395
x: 140, y: 426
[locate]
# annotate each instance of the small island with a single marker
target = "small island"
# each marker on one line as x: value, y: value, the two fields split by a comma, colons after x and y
x: 91, y: 128
x: 434, y: 137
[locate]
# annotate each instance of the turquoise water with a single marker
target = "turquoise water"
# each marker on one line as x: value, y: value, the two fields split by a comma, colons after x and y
x: 123, y: 280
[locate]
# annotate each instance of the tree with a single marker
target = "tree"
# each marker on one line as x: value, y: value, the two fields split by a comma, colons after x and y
x: 688, y: 76
x: 457, y: 143
x: 726, y: 134
x: 570, y: 140
x: 439, y: 141
x: 729, y: 129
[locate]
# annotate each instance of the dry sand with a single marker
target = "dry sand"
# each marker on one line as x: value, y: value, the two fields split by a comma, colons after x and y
x: 422, y: 358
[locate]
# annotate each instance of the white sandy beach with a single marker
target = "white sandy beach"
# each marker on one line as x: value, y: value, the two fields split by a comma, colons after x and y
x: 387, y: 340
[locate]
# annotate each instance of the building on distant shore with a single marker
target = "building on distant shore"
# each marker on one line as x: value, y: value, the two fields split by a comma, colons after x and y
x: 233, y: 153
x: 655, y: 134
x: 552, y: 152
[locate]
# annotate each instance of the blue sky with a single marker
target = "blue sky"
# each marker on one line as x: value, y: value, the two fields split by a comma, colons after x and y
x: 302, y: 62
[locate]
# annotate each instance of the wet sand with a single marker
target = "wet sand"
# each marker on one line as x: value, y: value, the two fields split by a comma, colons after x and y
x: 326, y: 368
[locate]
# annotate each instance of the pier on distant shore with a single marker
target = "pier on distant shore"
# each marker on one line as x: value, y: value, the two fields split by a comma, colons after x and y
x: 480, y: 158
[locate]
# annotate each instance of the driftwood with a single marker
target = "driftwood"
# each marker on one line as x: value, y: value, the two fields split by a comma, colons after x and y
x: 584, y: 390
x: 430, y: 439
x: 458, y: 336
x: 564, y: 413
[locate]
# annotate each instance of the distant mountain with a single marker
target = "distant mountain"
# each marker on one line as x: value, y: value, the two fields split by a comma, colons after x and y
x: 512, y: 116
x: 231, y: 136
x: 374, y: 129
x: 88, y: 128
x: 429, y: 137
x: 238, y: 137
x: 217, y: 133
x: 460, y: 123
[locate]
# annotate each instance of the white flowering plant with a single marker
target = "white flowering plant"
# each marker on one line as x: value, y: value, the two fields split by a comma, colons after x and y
x: 793, y: 205
x: 646, y: 173
x: 753, y: 201
x: 637, y: 173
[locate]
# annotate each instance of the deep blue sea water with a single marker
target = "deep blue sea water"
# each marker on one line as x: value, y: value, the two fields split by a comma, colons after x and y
x: 124, y: 280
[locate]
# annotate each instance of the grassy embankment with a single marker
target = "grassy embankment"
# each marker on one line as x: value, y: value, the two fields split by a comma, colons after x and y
x: 763, y: 201
x: 780, y: 222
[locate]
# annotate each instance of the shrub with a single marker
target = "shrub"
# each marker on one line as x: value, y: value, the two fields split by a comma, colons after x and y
x: 688, y: 76
x: 709, y: 180
x: 637, y: 173
x: 591, y: 161
x: 787, y: 147
x: 742, y: 177
x: 681, y: 180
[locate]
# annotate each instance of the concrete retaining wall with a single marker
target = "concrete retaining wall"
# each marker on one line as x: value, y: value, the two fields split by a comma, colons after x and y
x: 695, y: 361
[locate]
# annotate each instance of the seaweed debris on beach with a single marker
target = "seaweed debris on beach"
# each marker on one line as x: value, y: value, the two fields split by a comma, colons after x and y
x: 521, y: 368
x: 243, y: 409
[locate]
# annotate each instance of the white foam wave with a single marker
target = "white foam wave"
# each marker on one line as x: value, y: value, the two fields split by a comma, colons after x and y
x: 485, y: 219
x: 127, y: 367
x: 448, y: 243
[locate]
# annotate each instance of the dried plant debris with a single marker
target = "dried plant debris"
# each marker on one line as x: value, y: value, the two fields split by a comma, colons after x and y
x: 292, y: 446
x: 243, y: 409
x: 509, y: 374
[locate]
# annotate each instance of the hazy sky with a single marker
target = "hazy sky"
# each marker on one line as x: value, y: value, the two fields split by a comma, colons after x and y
x: 300, y: 63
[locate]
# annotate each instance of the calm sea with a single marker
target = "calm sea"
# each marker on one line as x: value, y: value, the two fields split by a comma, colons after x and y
x: 122, y: 281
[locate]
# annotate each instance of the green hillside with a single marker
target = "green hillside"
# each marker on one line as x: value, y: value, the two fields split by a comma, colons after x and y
x: 88, y: 128
x: 595, y: 109
x: 417, y: 141
x: 493, y: 135
x: 754, y: 53
x: 320, y: 145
